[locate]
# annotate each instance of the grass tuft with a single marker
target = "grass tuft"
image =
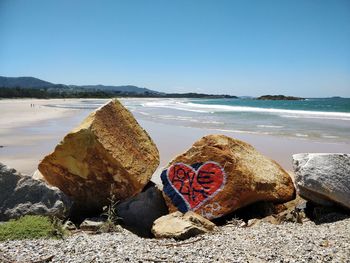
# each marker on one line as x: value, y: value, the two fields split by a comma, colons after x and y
x: 31, y: 227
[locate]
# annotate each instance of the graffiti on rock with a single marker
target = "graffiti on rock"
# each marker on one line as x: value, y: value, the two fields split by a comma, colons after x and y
x: 189, y: 187
x: 211, y: 211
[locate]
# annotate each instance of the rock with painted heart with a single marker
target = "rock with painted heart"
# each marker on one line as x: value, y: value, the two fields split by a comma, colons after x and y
x: 218, y: 175
x: 108, y: 154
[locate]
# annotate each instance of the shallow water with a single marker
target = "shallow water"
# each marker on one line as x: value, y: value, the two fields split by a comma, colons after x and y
x: 326, y: 120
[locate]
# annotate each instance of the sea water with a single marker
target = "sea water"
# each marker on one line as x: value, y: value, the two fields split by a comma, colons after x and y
x: 326, y: 119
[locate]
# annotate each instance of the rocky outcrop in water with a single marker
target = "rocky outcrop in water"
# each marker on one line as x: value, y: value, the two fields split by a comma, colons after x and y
x: 218, y: 175
x: 109, y: 154
x: 22, y: 195
x: 323, y: 178
x: 278, y: 97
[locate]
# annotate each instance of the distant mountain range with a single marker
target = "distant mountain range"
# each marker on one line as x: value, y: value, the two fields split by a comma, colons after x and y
x: 34, y: 87
x: 35, y: 83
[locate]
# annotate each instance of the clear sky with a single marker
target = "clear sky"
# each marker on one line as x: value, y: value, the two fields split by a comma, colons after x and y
x: 296, y: 47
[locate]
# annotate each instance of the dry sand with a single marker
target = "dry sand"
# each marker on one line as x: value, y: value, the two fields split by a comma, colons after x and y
x: 28, y: 132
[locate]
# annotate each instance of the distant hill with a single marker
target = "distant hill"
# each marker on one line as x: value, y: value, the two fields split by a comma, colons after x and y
x: 24, y: 82
x: 34, y: 83
x: 278, y: 97
x: 127, y: 88
x: 29, y: 87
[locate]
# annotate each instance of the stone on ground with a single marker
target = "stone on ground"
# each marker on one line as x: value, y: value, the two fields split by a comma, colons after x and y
x: 219, y: 174
x: 323, y: 178
x: 92, y: 224
x: 69, y: 225
x: 181, y: 226
x: 139, y: 212
x: 108, y: 154
x: 22, y: 195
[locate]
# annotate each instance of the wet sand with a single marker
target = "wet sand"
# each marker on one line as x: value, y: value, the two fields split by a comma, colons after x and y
x: 29, y: 133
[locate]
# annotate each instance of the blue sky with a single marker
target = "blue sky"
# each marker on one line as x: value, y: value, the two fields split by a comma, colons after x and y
x: 296, y: 47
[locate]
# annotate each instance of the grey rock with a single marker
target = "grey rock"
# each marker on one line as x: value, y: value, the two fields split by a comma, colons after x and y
x: 139, y: 212
x: 69, y: 225
x: 22, y: 195
x: 323, y: 178
x: 92, y: 224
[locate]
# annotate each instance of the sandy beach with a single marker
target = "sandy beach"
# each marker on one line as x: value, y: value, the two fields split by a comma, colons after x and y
x: 28, y: 133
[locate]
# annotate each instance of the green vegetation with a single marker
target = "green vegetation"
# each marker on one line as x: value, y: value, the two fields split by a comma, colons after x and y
x: 110, y: 211
x: 31, y: 227
x: 52, y: 93
x: 45, y: 93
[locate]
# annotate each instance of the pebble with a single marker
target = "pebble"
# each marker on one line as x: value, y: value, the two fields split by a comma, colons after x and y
x: 288, y: 242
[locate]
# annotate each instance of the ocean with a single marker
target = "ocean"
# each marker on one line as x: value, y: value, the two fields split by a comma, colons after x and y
x: 326, y: 120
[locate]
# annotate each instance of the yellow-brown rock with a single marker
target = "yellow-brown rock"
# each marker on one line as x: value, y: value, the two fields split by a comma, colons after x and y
x: 219, y: 174
x: 181, y: 226
x: 108, y: 154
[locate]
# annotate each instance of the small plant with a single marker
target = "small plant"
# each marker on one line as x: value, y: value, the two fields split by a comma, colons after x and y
x: 31, y: 227
x: 110, y: 211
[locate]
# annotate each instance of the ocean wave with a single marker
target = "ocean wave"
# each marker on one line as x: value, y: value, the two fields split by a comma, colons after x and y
x: 243, y: 131
x: 270, y: 126
x: 301, y: 135
x: 213, y: 108
x: 330, y: 136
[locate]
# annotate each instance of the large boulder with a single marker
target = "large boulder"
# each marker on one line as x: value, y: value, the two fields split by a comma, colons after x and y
x: 218, y: 175
x: 22, y: 195
x: 138, y: 213
x: 181, y: 226
x: 109, y: 154
x: 323, y: 178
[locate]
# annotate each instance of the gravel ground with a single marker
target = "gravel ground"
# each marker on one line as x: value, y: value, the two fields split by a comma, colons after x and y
x: 288, y: 242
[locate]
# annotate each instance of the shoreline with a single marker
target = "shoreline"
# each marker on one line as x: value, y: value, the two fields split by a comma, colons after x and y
x: 30, y: 133
x: 232, y: 242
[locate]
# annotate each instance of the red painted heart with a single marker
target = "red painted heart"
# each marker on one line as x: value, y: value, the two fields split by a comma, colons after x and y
x: 196, y: 187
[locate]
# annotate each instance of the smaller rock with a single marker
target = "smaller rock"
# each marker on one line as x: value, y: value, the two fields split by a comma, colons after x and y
x: 69, y: 225
x: 92, y: 224
x: 138, y: 213
x: 323, y: 178
x: 22, y: 195
x: 37, y: 175
x: 181, y: 226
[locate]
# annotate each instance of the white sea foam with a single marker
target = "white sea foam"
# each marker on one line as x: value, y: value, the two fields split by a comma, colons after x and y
x: 178, y: 118
x: 301, y: 135
x: 330, y: 136
x: 270, y: 126
x: 242, y: 131
x: 212, y: 108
